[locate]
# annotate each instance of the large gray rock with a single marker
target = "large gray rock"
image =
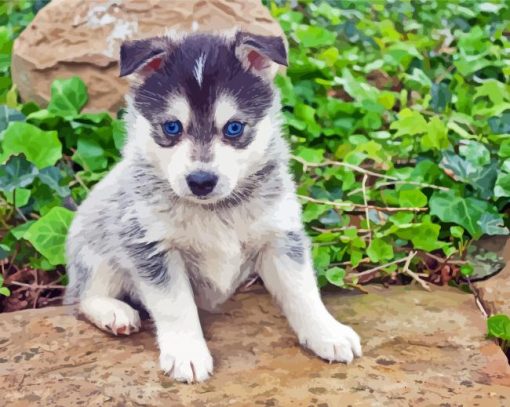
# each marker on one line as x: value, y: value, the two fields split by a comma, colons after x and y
x: 420, y: 349
x: 82, y: 37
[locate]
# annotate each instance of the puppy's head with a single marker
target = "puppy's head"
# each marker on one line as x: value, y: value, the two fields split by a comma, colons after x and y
x: 203, y: 108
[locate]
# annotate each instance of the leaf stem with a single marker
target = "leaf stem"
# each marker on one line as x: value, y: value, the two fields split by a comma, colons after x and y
x: 365, y: 201
x: 342, y: 164
x: 386, y: 184
x: 363, y: 207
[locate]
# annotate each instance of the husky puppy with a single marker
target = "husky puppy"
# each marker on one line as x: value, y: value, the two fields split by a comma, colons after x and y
x: 201, y: 197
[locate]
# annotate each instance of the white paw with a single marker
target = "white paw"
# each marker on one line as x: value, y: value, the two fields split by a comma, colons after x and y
x: 185, y: 359
x: 332, y: 341
x: 111, y: 315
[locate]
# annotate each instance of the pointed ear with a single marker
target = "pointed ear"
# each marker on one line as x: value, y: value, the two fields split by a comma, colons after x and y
x: 142, y: 56
x: 261, y: 54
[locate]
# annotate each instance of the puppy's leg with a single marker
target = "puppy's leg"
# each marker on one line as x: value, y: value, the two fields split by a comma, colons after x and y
x: 111, y: 315
x: 184, y: 353
x: 287, y: 271
x: 98, y: 301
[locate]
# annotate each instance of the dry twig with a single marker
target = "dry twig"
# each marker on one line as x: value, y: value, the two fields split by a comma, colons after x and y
x: 37, y: 286
x: 375, y: 270
x: 412, y: 274
x: 356, y: 168
x: 359, y: 206
x: 365, y: 201
x: 353, y: 167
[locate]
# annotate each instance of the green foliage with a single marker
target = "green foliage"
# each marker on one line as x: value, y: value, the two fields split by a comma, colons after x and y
x: 48, y: 234
x: 15, y: 15
x: 379, y: 251
x: 3, y: 290
x: 67, y: 97
x: 398, y: 114
x: 41, y: 148
x: 410, y: 105
x: 50, y: 158
x: 498, y: 326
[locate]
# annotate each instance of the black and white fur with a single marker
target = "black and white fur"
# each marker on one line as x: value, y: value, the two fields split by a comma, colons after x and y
x: 142, y: 233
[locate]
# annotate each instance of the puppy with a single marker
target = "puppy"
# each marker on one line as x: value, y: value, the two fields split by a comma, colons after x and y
x: 201, y: 197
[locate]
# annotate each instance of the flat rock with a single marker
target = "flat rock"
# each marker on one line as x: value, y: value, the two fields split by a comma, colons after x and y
x: 82, y: 38
x: 420, y: 349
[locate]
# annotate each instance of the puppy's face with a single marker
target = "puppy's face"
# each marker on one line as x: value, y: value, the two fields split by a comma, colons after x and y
x: 204, y: 110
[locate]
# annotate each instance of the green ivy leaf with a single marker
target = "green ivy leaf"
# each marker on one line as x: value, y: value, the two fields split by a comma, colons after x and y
x: 493, y: 224
x: 409, y: 123
x: 305, y: 113
x: 356, y: 257
x: 500, y: 122
x: 8, y: 115
x: 321, y: 257
x: 357, y: 88
x: 335, y: 276
x: 52, y: 177
x: 42, y: 148
x: 90, y: 155
x: 313, y: 211
x: 498, y: 326
x: 474, y: 152
x: 481, y: 178
x: 424, y: 235
x: 502, y: 188
x: 412, y: 198
x: 379, y: 250
x: 68, y: 96
x: 504, y: 149
x: 456, y: 231
x: 312, y: 155
x: 494, y: 90
x: 441, y: 96
x: 48, y: 234
x: 313, y: 36
x: 449, y: 207
x: 119, y: 134
x: 401, y: 218
x: 45, y: 198
x: 466, y: 270
x: 16, y: 173
x: 436, y: 136
x: 329, y: 55
x: 22, y: 196
x: 19, y: 231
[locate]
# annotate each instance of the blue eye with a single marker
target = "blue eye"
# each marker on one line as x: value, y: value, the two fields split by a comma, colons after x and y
x: 172, y: 128
x: 233, y: 129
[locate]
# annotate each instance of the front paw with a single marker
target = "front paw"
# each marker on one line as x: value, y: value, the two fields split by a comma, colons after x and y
x: 186, y: 359
x: 332, y: 341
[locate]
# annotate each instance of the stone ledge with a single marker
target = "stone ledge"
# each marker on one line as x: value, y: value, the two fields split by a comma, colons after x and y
x: 420, y: 349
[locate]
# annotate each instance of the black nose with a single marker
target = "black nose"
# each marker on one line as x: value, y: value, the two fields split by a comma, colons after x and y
x: 201, y: 183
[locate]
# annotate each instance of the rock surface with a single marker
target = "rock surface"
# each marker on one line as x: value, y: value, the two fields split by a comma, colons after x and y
x: 82, y: 37
x: 420, y: 349
x: 495, y: 292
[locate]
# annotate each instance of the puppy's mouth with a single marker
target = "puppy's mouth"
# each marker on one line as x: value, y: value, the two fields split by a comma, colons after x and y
x: 203, y: 199
x: 211, y: 198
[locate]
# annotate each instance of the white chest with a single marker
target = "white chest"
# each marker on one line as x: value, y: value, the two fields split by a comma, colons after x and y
x: 215, y: 247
